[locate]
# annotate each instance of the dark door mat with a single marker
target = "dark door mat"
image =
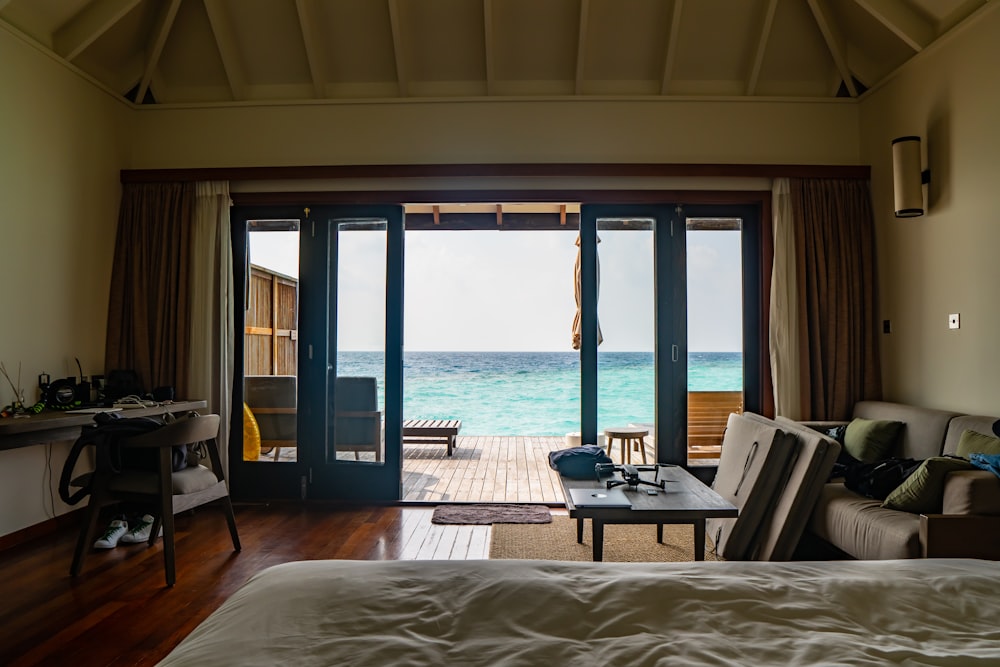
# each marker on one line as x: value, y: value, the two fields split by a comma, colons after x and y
x: 486, y: 514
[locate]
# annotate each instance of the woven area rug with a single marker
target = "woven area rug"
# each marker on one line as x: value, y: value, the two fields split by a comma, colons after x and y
x: 623, y: 543
x: 486, y: 514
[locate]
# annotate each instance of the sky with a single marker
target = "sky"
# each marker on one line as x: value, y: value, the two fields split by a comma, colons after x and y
x: 513, y: 290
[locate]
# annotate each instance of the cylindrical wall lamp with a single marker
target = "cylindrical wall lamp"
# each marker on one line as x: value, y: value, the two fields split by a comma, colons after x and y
x: 907, y: 177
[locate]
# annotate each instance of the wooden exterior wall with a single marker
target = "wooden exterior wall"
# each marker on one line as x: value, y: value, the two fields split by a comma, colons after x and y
x: 271, y: 345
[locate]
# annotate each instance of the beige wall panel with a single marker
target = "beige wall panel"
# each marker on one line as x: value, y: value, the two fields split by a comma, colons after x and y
x: 59, y: 187
x: 947, y: 261
x: 500, y: 131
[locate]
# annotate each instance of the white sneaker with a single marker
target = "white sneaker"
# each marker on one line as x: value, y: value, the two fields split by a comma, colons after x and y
x: 140, y: 531
x: 109, y: 540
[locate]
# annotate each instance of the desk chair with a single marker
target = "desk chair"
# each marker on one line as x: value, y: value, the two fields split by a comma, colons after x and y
x: 170, y: 492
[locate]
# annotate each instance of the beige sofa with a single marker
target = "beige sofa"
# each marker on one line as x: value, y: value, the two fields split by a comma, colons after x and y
x: 969, y: 525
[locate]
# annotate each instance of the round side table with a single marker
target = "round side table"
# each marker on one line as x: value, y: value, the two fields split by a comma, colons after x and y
x: 631, y: 438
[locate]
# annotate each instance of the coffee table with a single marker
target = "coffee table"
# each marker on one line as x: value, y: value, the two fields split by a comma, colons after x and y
x: 684, y: 500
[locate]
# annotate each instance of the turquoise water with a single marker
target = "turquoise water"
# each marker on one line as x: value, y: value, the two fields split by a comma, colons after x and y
x: 535, y: 393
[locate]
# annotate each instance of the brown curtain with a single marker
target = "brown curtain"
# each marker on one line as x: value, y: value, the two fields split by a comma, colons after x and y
x: 837, y: 300
x: 149, y: 305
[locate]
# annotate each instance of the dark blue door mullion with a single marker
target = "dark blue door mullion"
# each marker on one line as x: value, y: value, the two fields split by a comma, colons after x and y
x: 588, y: 324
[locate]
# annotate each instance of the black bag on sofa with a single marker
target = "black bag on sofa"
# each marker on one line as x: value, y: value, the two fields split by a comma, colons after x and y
x: 877, y: 480
x: 578, y: 462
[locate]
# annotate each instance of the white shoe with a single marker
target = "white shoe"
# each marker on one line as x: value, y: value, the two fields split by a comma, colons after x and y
x: 109, y: 540
x: 140, y: 531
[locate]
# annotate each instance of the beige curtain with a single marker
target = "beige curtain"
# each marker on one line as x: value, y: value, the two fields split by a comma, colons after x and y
x: 835, y: 265
x: 783, y: 340
x: 149, y: 307
x: 210, y: 362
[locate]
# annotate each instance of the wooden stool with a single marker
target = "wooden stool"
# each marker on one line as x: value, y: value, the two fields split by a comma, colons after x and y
x: 631, y: 438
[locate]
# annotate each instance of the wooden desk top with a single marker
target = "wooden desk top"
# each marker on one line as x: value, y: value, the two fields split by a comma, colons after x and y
x: 55, y: 425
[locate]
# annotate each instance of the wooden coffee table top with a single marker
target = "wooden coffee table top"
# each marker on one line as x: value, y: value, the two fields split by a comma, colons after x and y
x: 684, y: 498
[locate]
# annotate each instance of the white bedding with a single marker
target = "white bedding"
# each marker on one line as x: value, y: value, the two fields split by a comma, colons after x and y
x: 913, y: 612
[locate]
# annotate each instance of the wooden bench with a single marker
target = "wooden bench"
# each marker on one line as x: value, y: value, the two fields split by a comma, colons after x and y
x: 437, y: 431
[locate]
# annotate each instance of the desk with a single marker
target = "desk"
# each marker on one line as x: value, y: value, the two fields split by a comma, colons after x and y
x: 55, y: 425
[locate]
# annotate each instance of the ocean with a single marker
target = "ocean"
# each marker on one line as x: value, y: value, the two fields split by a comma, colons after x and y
x: 535, y: 393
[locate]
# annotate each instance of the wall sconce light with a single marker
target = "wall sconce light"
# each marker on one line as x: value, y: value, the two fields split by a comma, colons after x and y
x: 907, y: 177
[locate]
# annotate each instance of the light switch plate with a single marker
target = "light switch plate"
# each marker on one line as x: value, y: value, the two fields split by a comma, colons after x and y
x: 954, y: 321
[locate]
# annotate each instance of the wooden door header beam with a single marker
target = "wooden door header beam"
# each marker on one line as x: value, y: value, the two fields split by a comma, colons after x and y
x: 644, y: 170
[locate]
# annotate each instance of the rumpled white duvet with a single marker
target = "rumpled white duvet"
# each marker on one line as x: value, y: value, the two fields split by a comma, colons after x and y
x: 510, y: 612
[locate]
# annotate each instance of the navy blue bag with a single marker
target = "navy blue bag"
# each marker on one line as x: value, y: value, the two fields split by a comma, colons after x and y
x: 578, y: 462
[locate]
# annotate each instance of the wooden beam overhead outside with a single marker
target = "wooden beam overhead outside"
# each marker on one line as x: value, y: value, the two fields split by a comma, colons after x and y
x: 762, y: 38
x: 562, y: 214
x: 313, y: 45
x: 94, y: 20
x: 437, y: 215
x: 499, y: 214
x: 674, y: 30
x: 835, y: 42
x: 161, y: 30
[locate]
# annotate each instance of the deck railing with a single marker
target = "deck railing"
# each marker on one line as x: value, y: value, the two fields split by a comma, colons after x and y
x: 708, y: 414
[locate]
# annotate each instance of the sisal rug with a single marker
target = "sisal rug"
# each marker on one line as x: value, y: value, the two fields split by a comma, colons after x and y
x: 486, y: 514
x: 623, y: 543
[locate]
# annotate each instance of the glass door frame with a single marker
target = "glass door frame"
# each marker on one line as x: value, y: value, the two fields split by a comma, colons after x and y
x: 670, y: 319
x: 346, y: 479
x: 303, y: 479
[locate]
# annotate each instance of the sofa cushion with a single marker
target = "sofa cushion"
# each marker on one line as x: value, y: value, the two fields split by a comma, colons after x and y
x: 925, y: 429
x: 971, y: 492
x: 862, y: 528
x: 961, y: 424
x: 922, y: 491
x: 973, y: 442
x: 871, y: 440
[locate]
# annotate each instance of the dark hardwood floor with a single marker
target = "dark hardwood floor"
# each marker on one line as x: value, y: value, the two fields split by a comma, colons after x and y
x: 119, y: 612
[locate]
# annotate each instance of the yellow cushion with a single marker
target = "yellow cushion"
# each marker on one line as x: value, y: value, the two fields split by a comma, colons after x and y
x: 251, y: 435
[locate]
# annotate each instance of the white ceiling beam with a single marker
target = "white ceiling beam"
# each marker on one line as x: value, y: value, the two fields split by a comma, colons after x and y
x: 581, y: 44
x: 225, y: 41
x: 161, y: 30
x: 671, y: 56
x: 397, y: 48
x: 314, y: 46
x: 762, y: 39
x: 835, y: 42
x: 488, y: 43
x: 94, y: 20
x: 902, y: 21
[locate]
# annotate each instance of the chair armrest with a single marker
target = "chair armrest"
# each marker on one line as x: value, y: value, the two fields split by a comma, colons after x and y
x: 971, y: 492
x: 824, y: 425
x: 960, y: 536
x: 273, y: 411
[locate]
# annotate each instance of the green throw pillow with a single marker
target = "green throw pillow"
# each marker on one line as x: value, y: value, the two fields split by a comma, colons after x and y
x: 871, y: 440
x: 972, y: 442
x: 923, y: 490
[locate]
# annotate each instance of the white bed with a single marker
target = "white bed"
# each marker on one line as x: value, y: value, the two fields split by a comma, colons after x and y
x: 914, y: 612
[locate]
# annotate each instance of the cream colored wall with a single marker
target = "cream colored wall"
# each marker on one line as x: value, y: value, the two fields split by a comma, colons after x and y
x: 947, y: 261
x: 499, y: 132
x: 60, y: 152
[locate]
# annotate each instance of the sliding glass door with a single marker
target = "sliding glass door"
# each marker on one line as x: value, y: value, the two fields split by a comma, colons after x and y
x: 670, y: 325
x: 321, y: 346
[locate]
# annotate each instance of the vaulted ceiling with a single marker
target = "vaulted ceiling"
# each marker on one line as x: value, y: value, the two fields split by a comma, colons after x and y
x: 238, y: 51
